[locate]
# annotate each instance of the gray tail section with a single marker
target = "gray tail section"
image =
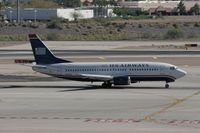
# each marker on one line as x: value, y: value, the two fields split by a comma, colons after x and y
x: 41, y: 53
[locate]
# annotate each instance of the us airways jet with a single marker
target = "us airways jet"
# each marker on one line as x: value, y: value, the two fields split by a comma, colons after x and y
x: 109, y: 73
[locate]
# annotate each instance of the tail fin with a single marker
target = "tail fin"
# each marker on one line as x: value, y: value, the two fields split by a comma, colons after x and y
x: 41, y: 53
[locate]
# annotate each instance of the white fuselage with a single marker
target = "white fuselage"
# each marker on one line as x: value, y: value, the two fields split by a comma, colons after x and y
x: 137, y: 71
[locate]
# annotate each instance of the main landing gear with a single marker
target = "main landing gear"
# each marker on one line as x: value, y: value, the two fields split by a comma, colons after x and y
x: 107, y: 84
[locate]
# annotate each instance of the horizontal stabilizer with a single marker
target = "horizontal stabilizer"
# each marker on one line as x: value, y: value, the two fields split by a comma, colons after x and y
x: 24, y: 61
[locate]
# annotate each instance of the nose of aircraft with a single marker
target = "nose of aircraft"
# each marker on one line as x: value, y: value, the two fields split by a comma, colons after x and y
x: 181, y: 73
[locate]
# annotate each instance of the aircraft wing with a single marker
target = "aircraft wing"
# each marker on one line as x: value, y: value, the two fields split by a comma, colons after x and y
x: 97, y: 77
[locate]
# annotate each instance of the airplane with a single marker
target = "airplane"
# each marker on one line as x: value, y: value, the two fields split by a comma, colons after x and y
x: 109, y: 73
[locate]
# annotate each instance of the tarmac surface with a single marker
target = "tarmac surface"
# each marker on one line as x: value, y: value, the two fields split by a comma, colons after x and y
x: 31, y: 102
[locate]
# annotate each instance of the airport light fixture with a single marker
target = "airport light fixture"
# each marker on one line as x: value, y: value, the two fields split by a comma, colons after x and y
x: 35, y: 15
x: 10, y: 15
x: 18, y: 11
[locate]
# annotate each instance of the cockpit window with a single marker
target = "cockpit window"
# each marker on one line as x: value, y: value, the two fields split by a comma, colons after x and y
x: 172, y: 68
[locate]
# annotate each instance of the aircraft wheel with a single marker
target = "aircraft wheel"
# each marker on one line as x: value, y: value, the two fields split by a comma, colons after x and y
x: 109, y: 85
x: 103, y: 85
x: 106, y: 85
x: 166, y: 85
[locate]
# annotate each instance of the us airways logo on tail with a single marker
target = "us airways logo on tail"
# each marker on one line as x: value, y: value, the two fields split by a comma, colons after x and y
x: 40, y: 51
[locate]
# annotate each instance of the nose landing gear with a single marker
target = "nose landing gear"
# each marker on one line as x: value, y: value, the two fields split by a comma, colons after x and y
x: 166, y: 85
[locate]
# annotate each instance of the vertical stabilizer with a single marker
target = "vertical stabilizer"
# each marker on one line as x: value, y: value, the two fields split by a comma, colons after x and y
x: 41, y: 53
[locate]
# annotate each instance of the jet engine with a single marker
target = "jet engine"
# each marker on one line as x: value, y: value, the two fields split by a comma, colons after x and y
x: 125, y: 80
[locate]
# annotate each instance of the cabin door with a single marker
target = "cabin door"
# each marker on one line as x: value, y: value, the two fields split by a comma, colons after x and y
x: 162, y: 70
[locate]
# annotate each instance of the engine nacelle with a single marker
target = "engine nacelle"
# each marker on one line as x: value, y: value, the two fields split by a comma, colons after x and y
x: 125, y: 80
